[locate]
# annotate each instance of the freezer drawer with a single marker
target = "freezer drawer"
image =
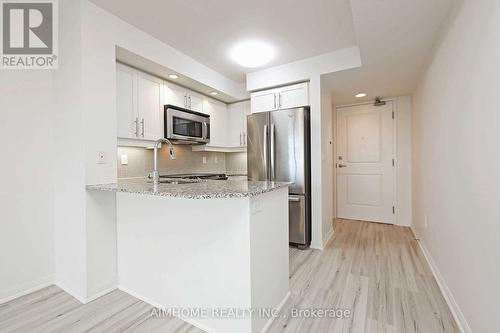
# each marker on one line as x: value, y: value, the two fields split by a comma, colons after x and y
x: 297, y: 221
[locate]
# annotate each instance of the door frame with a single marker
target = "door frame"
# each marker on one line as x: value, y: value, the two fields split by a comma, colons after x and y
x: 394, y: 152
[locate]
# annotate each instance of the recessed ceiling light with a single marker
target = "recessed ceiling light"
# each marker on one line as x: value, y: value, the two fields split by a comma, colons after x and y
x: 360, y: 95
x: 173, y: 76
x: 214, y: 93
x: 252, y: 53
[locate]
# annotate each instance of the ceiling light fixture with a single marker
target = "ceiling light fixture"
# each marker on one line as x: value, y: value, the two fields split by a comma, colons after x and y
x: 252, y: 53
x: 173, y: 76
x: 214, y: 93
x: 360, y: 95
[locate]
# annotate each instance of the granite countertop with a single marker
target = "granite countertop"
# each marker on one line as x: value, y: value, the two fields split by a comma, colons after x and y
x: 199, y: 189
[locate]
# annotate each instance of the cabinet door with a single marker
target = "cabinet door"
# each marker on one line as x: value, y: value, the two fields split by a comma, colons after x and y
x: 150, y: 106
x: 245, y: 111
x: 263, y: 101
x: 174, y: 94
x: 235, y: 125
x: 126, y: 102
x: 195, y: 101
x: 218, y: 121
x: 293, y: 96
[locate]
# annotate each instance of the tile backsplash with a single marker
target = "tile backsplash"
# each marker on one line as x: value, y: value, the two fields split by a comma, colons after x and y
x: 140, y: 161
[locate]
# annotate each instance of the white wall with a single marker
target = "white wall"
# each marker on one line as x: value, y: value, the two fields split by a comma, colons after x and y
x: 456, y: 160
x: 26, y: 178
x: 327, y: 162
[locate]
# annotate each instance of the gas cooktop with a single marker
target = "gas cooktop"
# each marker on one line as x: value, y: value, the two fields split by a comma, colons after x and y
x: 213, y: 176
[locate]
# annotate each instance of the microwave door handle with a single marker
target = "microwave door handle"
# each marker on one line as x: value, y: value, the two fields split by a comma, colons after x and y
x: 273, y: 154
x: 265, y: 152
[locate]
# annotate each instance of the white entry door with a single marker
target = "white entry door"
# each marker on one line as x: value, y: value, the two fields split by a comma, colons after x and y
x: 365, y: 171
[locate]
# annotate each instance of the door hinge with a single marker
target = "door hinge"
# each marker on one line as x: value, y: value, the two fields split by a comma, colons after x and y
x: 392, y: 162
x: 393, y: 210
x: 392, y: 114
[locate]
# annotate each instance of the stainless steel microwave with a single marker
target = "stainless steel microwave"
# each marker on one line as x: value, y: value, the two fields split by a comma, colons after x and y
x: 185, y: 126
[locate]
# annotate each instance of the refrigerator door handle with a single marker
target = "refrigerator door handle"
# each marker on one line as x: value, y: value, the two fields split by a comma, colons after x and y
x: 265, y: 151
x: 273, y: 153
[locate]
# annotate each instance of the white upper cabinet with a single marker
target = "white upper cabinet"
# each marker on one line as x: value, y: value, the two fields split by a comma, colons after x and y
x: 218, y: 121
x: 174, y: 94
x: 287, y: 97
x: 139, y: 105
x: 195, y: 101
x: 126, y: 102
x: 237, y: 123
x: 182, y: 97
x: 150, y: 106
x: 293, y: 96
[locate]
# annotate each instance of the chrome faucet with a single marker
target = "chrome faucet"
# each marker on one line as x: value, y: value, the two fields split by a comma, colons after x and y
x: 155, y: 175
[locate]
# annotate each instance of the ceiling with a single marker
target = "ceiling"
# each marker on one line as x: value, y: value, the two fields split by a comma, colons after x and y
x: 396, y: 39
x: 206, y: 30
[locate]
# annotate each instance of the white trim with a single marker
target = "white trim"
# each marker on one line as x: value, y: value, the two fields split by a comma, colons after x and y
x: 26, y: 288
x: 278, y: 308
x: 159, y: 306
x: 460, y: 319
x: 194, y: 322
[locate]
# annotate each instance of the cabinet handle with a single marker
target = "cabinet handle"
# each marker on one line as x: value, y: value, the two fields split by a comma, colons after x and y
x: 240, y: 139
x: 185, y: 100
x: 136, y: 121
x: 279, y: 101
x: 244, y: 139
x: 190, y: 101
x: 142, y: 125
x: 275, y: 101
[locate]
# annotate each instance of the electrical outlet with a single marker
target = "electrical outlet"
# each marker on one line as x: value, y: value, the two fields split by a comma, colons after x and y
x: 124, y: 159
x: 425, y: 221
x: 204, y: 160
x: 101, y: 158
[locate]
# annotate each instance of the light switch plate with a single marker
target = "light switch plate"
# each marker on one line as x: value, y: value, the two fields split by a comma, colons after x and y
x: 101, y: 158
x: 204, y: 160
x: 124, y: 159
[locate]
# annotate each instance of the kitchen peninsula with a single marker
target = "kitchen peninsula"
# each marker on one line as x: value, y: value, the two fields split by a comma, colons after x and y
x: 204, y: 245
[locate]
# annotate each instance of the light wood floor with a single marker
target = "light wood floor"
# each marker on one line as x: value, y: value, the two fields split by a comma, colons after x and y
x: 377, y: 271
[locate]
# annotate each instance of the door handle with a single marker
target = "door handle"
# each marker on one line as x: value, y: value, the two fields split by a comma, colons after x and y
x: 342, y: 166
x: 294, y: 199
x: 273, y: 152
x: 265, y: 151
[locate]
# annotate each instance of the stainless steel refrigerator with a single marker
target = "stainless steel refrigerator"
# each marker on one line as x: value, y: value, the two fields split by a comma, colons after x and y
x: 279, y: 150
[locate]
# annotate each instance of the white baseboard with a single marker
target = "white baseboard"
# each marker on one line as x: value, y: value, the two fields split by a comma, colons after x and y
x: 448, y: 295
x: 194, y: 322
x: 278, y: 308
x: 25, y: 289
x: 159, y: 306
